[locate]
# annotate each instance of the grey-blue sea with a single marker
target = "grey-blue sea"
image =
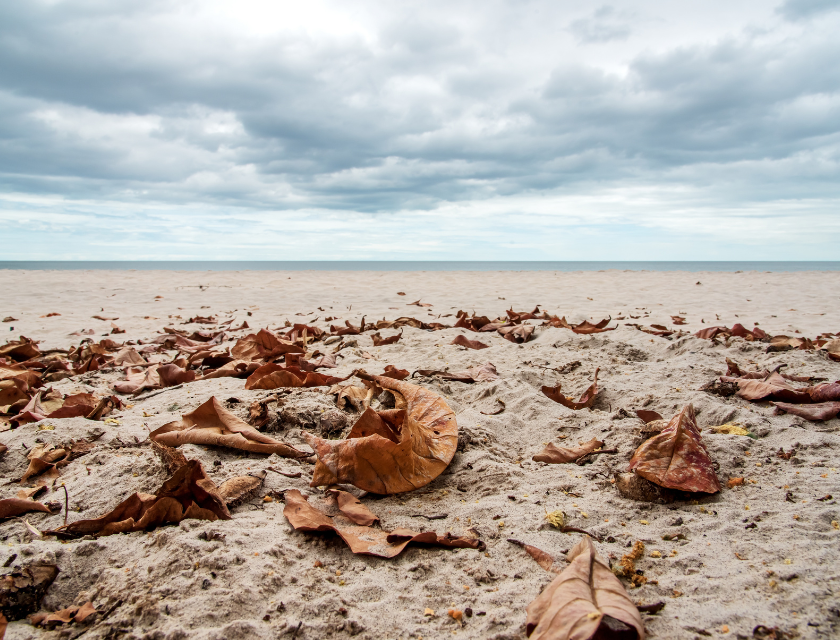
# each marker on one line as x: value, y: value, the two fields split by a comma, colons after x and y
x: 411, y: 265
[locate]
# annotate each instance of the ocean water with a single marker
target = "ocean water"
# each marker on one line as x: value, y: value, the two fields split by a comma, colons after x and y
x: 408, y: 265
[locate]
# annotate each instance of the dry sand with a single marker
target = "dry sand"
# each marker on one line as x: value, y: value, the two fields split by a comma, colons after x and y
x: 764, y: 553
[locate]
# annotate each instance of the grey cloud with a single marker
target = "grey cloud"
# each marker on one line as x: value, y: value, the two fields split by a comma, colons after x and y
x: 796, y: 10
x: 604, y: 25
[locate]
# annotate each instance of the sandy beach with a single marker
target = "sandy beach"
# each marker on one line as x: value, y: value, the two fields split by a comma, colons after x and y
x: 762, y: 552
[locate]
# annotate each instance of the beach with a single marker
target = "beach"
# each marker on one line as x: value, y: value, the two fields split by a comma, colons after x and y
x: 761, y: 552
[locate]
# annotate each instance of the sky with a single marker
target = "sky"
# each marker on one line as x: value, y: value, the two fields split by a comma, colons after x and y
x: 456, y: 130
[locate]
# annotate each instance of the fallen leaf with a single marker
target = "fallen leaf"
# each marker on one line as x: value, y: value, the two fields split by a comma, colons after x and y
x: 275, y: 376
x: 586, y: 400
x: 676, y: 457
x: 383, y: 457
x: 417, y: 303
x: 516, y: 333
x: 817, y: 412
x: 262, y: 345
x: 211, y: 424
x: 463, y: 341
x: 352, y: 509
x: 13, y: 507
x: 397, y: 374
x: 825, y: 392
x: 543, y: 559
x: 772, y: 387
x: 558, y: 455
x: 365, y: 540
x: 189, y: 493
x: 379, y: 341
x: 21, y: 591
x: 584, y: 600
x: 648, y: 416
x: 235, y: 490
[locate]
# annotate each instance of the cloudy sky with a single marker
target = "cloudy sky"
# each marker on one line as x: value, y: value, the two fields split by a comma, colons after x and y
x: 479, y: 130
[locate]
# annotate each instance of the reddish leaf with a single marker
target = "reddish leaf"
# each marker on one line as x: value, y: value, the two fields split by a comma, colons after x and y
x: 585, y: 601
x: 462, y: 341
x: 211, y: 424
x: 12, y: 507
x: 516, y: 333
x: 79, y: 405
x: 814, y: 412
x: 364, y: 540
x: 772, y: 387
x: 585, y: 401
x: 171, y: 375
x: 352, y: 509
x: 275, y: 376
x: 543, y: 559
x: 678, y: 320
x: 648, y: 416
x: 263, y: 345
x: 825, y: 392
x: 397, y: 374
x: 559, y: 455
x: 189, y: 493
x: 379, y: 341
x: 391, y: 458
x: 676, y: 458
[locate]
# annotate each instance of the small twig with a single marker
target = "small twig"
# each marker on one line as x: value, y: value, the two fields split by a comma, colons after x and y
x: 157, y: 393
x: 66, y: 503
x: 576, y: 530
x: 437, y: 517
x: 294, y: 635
x: 283, y: 473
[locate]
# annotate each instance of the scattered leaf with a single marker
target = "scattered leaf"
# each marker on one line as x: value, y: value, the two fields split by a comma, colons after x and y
x: 12, y: 507
x: 463, y: 341
x: 586, y: 400
x: 543, y: 559
x: 558, y: 455
x: 379, y: 341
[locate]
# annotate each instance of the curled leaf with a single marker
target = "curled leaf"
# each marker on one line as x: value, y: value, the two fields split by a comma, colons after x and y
x: 352, y: 509
x: 479, y: 373
x: 585, y: 599
x: 676, y: 457
x: 771, y: 387
x: 12, y: 507
x: 397, y: 374
x: 817, y: 412
x: 275, y: 376
x: 211, y: 424
x: 553, y: 454
x: 463, y: 341
x: 543, y: 559
x: 379, y: 341
x: 585, y: 401
x: 263, y: 345
x: 189, y: 493
x: 391, y: 452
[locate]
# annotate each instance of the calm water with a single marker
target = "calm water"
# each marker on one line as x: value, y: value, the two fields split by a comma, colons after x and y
x: 422, y: 266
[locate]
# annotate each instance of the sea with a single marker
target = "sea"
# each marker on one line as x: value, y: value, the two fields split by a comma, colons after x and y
x: 410, y: 265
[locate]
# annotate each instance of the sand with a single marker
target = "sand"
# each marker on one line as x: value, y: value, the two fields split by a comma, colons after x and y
x: 763, y: 553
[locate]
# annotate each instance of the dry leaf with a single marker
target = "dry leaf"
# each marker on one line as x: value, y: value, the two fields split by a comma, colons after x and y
x: 676, y: 457
x: 236, y: 490
x: 379, y: 341
x: 543, y: 559
x: 462, y: 341
x: 391, y: 457
x: 772, y: 387
x: 365, y: 540
x: 479, y: 373
x: 21, y: 591
x: 558, y: 455
x: 516, y: 333
x: 586, y: 400
x: 397, y: 374
x: 817, y: 412
x: 189, y: 493
x: 13, y: 507
x: 211, y: 424
x: 351, y: 508
x: 585, y: 599
x: 263, y: 345
x: 275, y: 376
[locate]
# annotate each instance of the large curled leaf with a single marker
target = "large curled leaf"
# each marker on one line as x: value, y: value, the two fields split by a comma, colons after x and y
x: 211, y: 424
x: 772, y: 387
x: 676, y: 458
x: 364, y: 539
x: 816, y: 412
x: 391, y: 452
x: 275, y: 376
x: 263, y: 345
x: 586, y: 400
x: 584, y: 599
x: 189, y: 493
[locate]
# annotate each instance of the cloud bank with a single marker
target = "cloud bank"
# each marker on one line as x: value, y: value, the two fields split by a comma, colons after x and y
x: 419, y: 130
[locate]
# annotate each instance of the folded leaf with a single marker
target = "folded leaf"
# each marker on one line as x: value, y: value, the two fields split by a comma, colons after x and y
x: 275, y: 376
x: 384, y: 457
x: 479, y: 373
x: 816, y: 412
x: 12, y: 507
x: 584, y: 599
x: 263, y: 345
x: 379, y: 341
x: 463, y: 341
x: 676, y: 458
x: 772, y: 387
x: 586, y: 400
x: 211, y: 424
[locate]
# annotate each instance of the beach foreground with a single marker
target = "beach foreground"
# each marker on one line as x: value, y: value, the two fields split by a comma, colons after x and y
x: 762, y: 552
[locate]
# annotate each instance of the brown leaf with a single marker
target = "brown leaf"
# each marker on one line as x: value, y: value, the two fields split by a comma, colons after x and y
x: 379, y: 341
x: 235, y: 490
x: 543, y: 559
x: 263, y: 345
x: 559, y: 455
x: 172, y: 375
x: 817, y: 412
x: 462, y: 341
x: 138, y: 379
x: 211, y: 424
x: 648, y: 416
x: 232, y: 369
x: 189, y: 493
x: 275, y: 376
x: 75, y: 406
x: 678, y: 320
x: 128, y: 356
x: 825, y: 392
x: 365, y: 540
x: 171, y: 458
x: 12, y: 507
x: 20, y: 350
x: 383, y: 457
x: 676, y: 457
x: 772, y: 387
x: 351, y: 508
x: 517, y: 334
x: 397, y: 374
x: 586, y: 400
x: 585, y: 599
x: 417, y: 303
